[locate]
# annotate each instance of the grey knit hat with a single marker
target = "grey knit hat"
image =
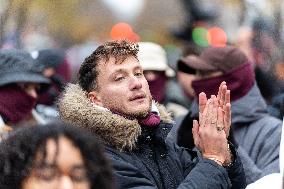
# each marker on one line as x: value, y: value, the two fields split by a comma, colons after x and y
x: 18, y: 66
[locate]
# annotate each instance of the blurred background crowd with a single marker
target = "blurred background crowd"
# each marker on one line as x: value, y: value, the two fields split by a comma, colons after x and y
x: 71, y: 30
x: 180, y: 27
x: 56, y: 36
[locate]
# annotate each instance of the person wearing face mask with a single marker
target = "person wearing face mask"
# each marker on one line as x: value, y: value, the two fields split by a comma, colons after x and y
x: 159, y: 75
x: 256, y: 133
x: 19, y: 87
x: 52, y: 63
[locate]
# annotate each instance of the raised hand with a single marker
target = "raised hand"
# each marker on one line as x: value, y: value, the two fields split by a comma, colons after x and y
x: 210, y: 134
x: 223, y: 98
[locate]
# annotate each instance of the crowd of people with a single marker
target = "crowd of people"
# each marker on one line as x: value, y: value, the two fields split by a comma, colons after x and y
x: 132, y: 121
x: 227, y: 139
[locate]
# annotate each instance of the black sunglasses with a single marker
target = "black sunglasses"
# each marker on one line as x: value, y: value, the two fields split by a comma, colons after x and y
x: 181, y: 66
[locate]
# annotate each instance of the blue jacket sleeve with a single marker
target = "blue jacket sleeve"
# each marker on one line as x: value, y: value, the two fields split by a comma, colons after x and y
x: 205, y: 174
x: 232, y: 177
x: 129, y: 177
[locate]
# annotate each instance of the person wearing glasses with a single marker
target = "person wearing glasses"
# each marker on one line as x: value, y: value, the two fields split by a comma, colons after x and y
x: 56, y: 156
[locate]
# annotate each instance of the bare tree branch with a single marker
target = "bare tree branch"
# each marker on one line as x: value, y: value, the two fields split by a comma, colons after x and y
x: 21, y: 21
x: 4, y: 20
x: 243, y: 9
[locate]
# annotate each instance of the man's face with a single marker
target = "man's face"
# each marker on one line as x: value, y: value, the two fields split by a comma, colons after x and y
x: 185, y: 81
x: 122, y: 88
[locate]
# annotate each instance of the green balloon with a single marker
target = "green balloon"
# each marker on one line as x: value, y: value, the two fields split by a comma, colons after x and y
x: 199, y: 36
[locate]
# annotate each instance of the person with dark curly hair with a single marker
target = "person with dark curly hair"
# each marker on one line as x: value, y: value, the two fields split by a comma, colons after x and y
x: 55, y: 156
x: 113, y: 100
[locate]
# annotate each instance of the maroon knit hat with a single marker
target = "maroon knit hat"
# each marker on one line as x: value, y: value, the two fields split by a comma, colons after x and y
x: 216, y: 59
x: 237, y: 71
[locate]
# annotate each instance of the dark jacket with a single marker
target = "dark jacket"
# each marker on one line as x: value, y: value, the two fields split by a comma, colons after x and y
x: 142, y: 157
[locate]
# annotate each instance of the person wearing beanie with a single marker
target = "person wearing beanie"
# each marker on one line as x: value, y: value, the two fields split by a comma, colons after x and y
x: 19, y: 87
x: 254, y: 131
x: 153, y: 59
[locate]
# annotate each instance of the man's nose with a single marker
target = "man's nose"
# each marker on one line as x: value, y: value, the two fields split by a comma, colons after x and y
x: 135, y: 83
x: 65, y: 182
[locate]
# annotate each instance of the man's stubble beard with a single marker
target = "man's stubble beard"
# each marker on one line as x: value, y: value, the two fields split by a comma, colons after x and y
x: 143, y: 114
x: 127, y: 113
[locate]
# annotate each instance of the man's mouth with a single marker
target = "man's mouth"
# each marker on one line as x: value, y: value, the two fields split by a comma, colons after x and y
x: 137, y: 97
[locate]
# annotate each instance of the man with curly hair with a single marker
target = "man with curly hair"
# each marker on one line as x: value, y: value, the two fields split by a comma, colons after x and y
x: 113, y: 101
x: 51, y: 157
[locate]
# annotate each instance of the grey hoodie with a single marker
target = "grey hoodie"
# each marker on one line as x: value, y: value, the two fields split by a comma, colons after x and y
x: 257, y: 133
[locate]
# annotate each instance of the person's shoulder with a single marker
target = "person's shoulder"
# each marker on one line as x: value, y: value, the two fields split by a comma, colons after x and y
x: 111, y: 151
x: 266, y: 127
x: 269, y: 122
x: 118, y: 155
x: 265, y: 122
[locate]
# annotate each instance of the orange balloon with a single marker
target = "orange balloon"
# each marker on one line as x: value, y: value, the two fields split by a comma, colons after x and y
x: 123, y: 31
x: 217, y: 37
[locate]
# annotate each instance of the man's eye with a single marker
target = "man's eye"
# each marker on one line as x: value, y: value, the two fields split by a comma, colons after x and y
x: 119, y: 78
x: 79, y: 176
x: 138, y: 74
x: 47, y: 174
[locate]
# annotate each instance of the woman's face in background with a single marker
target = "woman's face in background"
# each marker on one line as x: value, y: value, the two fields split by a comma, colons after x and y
x: 61, y: 168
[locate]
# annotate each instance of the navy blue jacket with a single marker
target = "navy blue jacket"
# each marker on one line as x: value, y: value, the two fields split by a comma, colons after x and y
x: 160, y: 163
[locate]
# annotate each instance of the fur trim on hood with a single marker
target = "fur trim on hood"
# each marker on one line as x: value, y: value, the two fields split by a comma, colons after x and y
x: 115, y: 130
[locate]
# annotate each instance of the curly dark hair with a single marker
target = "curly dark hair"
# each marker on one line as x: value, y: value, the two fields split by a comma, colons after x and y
x: 88, y: 71
x: 18, y: 151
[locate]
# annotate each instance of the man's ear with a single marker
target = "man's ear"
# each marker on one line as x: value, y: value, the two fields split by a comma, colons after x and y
x: 95, y: 98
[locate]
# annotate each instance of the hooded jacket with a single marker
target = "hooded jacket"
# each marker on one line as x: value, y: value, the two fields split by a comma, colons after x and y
x: 257, y: 134
x: 142, y: 157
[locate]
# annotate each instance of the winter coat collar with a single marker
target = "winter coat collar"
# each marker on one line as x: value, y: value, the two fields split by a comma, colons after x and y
x: 115, y: 130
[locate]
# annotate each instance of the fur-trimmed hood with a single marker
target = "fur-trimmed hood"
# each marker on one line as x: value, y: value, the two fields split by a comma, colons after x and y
x: 115, y: 130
